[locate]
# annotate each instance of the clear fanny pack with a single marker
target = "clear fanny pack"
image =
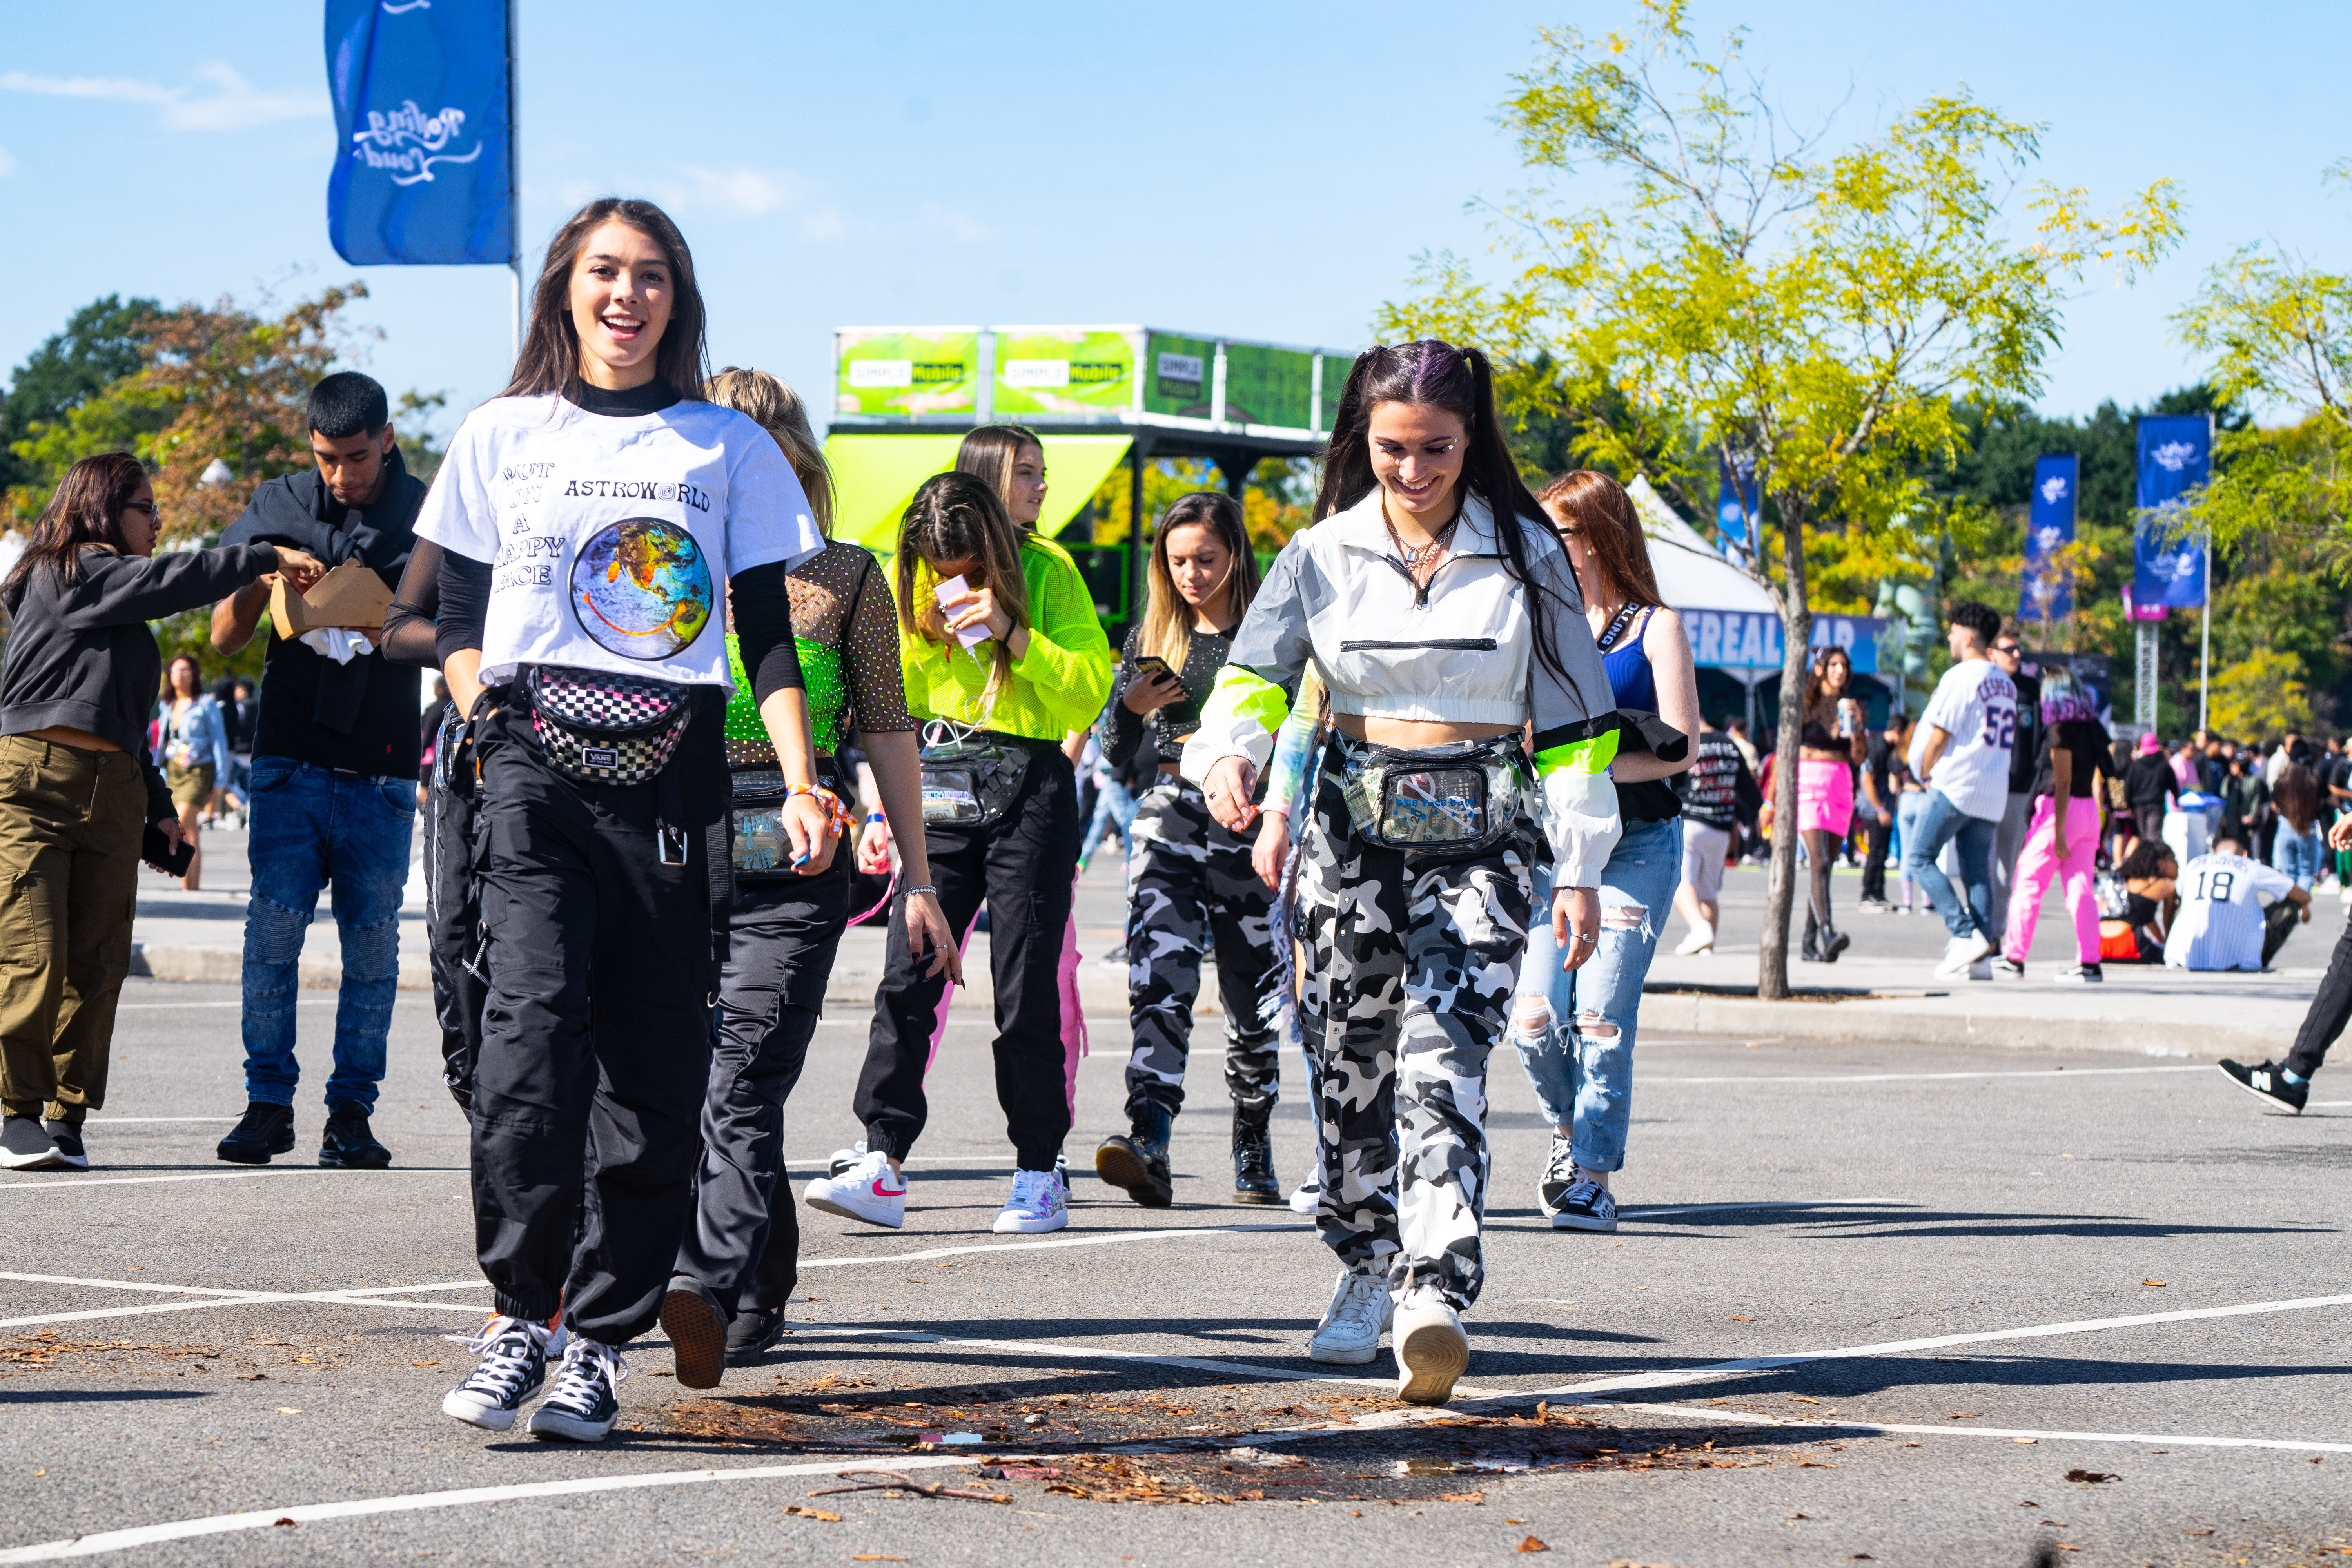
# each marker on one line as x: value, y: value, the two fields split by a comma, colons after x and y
x: 1454, y: 799
x: 970, y: 778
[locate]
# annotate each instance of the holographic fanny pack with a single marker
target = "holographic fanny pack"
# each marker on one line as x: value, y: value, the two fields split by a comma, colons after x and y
x: 1459, y: 799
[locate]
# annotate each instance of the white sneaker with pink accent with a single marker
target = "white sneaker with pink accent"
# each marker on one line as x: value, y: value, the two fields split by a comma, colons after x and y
x: 867, y: 1190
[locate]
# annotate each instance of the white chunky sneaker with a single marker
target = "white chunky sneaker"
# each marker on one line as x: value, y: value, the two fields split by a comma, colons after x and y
x: 1701, y: 939
x: 1349, y: 1333
x: 1307, y: 1196
x: 867, y: 1190
x: 582, y: 1406
x: 842, y: 1159
x: 1039, y: 1203
x: 1962, y: 951
x: 513, y: 1366
x: 1432, y: 1350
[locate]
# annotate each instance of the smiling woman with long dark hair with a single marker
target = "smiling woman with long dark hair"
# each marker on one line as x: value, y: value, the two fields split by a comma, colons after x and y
x: 82, y: 787
x: 1441, y: 617
x: 590, y: 520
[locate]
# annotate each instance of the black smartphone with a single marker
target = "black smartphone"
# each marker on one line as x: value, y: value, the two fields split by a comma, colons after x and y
x: 1152, y: 664
x: 158, y: 851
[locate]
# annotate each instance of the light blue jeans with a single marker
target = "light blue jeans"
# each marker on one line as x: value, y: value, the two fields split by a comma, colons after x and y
x: 1114, y: 807
x: 2297, y: 854
x: 312, y: 828
x: 1971, y: 837
x: 1578, y: 1055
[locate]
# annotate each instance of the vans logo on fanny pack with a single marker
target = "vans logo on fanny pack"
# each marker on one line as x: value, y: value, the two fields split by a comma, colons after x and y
x: 599, y: 757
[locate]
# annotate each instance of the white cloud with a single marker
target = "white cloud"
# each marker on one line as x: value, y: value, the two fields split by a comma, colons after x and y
x: 233, y: 103
x: 748, y: 192
x: 7, y: 163
x: 956, y: 226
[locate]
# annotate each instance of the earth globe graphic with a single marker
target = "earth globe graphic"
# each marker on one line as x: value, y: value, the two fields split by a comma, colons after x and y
x: 641, y: 588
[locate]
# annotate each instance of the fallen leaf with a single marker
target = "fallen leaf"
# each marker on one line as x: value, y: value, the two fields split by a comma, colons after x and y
x: 2064, y: 1547
x: 1532, y: 1544
x: 39, y: 1473
x: 252, y: 1377
x: 2159, y: 1285
x: 1863, y: 1557
x: 2026, y: 1439
x: 1462, y: 1496
x: 1963, y: 1414
x: 279, y: 1522
x: 424, y: 1363
x: 1815, y: 1465
x: 1743, y: 1319
x: 1804, y: 1399
x: 815, y: 1514
x: 2196, y: 1532
x: 872, y: 1557
x: 2092, y: 1475
x: 288, y: 1410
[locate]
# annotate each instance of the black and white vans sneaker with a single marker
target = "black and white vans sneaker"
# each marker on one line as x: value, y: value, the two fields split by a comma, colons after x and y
x: 513, y: 1366
x: 2267, y: 1083
x: 582, y: 1406
x: 1560, y: 1175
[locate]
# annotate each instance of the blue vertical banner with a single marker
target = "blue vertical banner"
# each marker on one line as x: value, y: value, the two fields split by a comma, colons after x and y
x: 2175, y: 457
x: 1737, y: 503
x: 424, y: 126
x: 2049, y: 592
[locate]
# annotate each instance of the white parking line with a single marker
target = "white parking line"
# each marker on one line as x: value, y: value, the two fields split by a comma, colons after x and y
x: 1921, y: 1076
x: 1095, y: 1352
x: 1154, y: 1235
x: 77, y: 1182
x: 2169, y: 1439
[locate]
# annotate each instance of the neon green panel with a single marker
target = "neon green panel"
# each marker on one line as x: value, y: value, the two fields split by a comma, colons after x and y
x: 874, y: 477
x: 1076, y: 467
x: 907, y: 373
x: 1592, y: 756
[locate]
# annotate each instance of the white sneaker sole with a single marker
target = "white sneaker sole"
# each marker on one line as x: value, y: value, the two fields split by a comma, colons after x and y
x: 889, y: 1219
x: 2274, y: 1102
x: 1304, y: 1202
x: 1583, y: 1222
x: 1030, y: 1225
x: 546, y: 1423
x: 463, y: 1406
x: 1432, y: 1356
x: 50, y: 1160
x: 1342, y: 1355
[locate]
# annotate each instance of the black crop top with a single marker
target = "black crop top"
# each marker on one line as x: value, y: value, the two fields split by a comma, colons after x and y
x: 1122, y: 727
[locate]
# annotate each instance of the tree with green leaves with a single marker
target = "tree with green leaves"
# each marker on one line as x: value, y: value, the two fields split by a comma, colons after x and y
x: 102, y: 342
x: 1744, y: 290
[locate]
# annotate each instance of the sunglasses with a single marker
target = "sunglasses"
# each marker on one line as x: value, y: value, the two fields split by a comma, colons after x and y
x: 146, y: 506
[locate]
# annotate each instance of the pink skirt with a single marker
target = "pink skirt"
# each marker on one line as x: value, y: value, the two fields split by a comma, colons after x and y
x: 1824, y: 795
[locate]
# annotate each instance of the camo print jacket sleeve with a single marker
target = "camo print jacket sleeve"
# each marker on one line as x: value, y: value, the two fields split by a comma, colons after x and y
x: 1460, y: 650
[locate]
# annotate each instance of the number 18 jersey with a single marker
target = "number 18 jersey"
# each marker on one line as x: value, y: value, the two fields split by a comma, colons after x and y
x: 2221, y: 922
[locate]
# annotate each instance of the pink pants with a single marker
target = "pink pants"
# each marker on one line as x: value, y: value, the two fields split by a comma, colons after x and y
x: 2038, y: 861
x: 1074, y: 1014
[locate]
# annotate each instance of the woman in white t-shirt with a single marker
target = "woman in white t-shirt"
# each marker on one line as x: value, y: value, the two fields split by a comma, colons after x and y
x: 595, y: 520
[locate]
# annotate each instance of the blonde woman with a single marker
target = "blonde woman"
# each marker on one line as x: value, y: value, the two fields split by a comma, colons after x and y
x: 1190, y: 882
x: 739, y: 1260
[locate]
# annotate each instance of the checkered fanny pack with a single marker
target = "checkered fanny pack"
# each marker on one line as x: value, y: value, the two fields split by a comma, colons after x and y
x: 597, y: 728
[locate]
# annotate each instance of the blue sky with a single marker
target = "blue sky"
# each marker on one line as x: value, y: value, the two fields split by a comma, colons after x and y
x: 1264, y: 170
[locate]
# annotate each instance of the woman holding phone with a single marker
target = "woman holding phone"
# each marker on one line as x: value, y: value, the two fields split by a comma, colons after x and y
x: 1190, y: 880
x: 590, y: 519
x: 1834, y: 741
x: 1002, y: 656
x: 1441, y: 617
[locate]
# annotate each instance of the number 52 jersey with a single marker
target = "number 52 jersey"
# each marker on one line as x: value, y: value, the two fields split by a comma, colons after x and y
x: 2221, y: 922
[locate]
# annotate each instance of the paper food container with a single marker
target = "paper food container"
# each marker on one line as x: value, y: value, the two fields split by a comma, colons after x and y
x: 351, y: 596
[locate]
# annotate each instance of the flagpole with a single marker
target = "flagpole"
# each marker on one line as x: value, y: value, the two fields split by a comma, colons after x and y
x: 514, y: 181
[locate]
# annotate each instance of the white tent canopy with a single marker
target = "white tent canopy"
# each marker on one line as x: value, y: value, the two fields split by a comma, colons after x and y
x: 1691, y: 574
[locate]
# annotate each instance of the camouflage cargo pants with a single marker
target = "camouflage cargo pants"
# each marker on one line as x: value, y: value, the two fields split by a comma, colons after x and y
x: 1410, y: 965
x: 1190, y: 886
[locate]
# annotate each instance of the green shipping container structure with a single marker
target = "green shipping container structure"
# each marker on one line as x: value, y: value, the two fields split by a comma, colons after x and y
x: 1096, y: 395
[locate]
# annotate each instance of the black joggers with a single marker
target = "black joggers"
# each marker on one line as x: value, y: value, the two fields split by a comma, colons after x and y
x: 596, y: 1032
x: 1022, y: 867
x: 2330, y: 1009
x: 453, y: 914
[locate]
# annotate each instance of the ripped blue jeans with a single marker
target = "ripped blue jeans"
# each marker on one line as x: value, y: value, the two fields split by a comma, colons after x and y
x: 1575, y: 1031
x: 313, y: 830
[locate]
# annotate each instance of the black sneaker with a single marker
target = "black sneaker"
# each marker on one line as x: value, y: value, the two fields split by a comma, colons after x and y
x: 67, y: 1137
x: 347, y: 1144
x: 751, y: 1335
x: 697, y: 1327
x: 1560, y: 1175
x: 513, y: 1368
x: 2267, y: 1083
x: 267, y: 1130
x: 25, y: 1147
x: 582, y: 1406
x: 2082, y: 974
x: 2010, y: 967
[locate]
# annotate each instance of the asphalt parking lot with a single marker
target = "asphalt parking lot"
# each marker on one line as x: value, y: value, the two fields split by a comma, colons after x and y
x: 1892, y: 1303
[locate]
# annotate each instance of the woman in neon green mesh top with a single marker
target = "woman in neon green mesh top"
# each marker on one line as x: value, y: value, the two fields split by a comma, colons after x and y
x: 739, y: 1260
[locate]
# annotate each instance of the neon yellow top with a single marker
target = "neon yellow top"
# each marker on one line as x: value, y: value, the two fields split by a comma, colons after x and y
x: 1057, y: 685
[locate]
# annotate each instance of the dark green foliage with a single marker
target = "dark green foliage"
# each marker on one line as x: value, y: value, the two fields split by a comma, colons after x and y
x: 100, y: 344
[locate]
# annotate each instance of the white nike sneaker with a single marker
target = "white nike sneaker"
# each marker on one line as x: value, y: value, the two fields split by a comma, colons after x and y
x: 845, y: 1158
x: 1701, y: 939
x: 1039, y: 1203
x: 867, y: 1190
x: 1962, y: 951
x: 1432, y: 1350
x: 1349, y: 1333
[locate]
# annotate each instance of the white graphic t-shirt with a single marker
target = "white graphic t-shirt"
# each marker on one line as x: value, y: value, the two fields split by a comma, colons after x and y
x: 611, y: 538
x: 2221, y: 922
x: 1976, y: 704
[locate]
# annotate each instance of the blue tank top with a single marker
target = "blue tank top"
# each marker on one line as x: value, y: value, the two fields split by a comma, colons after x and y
x: 1630, y: 681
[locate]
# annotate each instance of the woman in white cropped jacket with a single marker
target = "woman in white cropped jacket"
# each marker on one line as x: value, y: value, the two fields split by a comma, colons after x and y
x: 1439, y: 635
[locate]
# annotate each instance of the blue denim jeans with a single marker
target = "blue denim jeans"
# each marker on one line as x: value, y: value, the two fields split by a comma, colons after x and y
x: 1583, y: 1078
x: 313, y: 829
x: 2297, y: 853
x: 1942, y: 823
x: 1114, y: 807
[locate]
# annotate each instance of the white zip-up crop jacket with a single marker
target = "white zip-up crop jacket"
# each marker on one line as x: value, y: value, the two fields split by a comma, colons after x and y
x: 1460, y: 651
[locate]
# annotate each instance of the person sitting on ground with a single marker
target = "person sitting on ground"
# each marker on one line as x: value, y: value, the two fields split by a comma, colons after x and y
x: 2150, y: 876
x: 2221, y: 925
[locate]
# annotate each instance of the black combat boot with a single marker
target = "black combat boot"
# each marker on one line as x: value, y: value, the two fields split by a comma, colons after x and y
x: 1138, y: 1159
x: 1254, y: 1180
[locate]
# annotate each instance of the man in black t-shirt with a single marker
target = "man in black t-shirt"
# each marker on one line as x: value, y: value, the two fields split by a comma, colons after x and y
x: 334, y: 780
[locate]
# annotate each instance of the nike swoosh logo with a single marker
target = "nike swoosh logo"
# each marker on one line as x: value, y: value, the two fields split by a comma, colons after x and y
x: 882, y: 1192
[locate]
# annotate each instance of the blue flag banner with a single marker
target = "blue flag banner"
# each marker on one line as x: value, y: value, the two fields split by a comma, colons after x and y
x: 423, y: 132
x: 2176, y: 456
x: 2050, y: 527
x: 1737, y: 501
